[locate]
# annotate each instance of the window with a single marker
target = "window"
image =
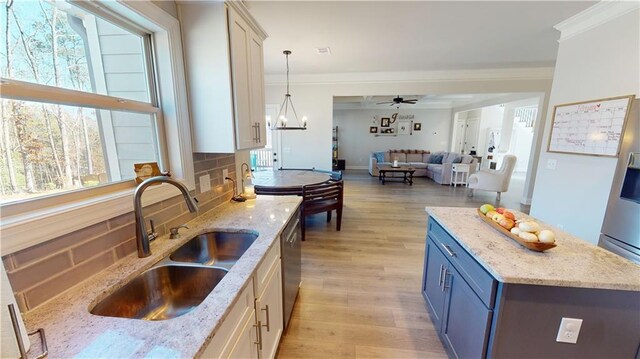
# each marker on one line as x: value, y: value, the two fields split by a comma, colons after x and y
x: 29, y: 222
x: 79, y: 103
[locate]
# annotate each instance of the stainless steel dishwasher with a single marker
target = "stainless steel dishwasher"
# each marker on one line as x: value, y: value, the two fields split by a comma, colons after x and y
x: 291, y: 248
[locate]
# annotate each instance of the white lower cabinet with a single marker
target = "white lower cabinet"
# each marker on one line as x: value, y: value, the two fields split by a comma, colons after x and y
x: 254, y: 325
x: 237, y: 335
x: 269, y: 313
x: 247, y: 344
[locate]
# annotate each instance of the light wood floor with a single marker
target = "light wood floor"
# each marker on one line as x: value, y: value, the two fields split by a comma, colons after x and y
x: 360, y: 295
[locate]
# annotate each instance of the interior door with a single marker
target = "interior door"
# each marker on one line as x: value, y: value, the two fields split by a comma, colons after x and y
x: 471, y: 136
x: 461, y: 126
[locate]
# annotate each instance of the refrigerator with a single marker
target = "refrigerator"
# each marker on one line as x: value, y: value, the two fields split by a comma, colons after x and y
x: 620, y: 231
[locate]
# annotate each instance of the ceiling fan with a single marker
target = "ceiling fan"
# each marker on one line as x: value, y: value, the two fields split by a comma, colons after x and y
x: 398, y: 100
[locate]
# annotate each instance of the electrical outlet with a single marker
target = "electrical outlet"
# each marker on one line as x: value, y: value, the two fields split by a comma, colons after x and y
x: 205, y: 183
x: 225, y: 174
x: 551, y: 164
x: 569, y: 330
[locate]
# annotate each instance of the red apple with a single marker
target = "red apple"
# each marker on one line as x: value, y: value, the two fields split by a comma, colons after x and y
x: 500, y: 210
x: 509, y: 215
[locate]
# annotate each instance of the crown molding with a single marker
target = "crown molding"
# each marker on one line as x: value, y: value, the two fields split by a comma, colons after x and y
x: 537, y: 73
x: 594, y: 16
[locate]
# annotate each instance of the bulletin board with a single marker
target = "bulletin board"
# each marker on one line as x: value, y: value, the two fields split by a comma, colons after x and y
x: 592, y: 128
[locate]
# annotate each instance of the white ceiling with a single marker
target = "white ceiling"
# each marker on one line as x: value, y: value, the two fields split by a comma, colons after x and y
x: 424, y: 101
x: 381, y: 36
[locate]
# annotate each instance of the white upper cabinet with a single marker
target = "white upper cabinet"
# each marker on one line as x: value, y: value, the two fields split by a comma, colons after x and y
x: 224, y: 64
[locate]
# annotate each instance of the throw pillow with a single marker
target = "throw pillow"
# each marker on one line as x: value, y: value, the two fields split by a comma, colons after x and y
x: 457, y: 159
x: 436, y: 158
x: 379, y: 156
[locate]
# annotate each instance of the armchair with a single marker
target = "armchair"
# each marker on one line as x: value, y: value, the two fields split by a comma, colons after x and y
x: 494, y: 180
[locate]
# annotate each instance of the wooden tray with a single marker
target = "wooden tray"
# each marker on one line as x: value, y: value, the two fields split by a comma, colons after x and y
x: 534, y: 246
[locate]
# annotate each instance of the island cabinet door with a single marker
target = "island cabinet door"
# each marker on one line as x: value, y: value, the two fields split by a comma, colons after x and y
x: 466, y: 320
x: 433, y: 285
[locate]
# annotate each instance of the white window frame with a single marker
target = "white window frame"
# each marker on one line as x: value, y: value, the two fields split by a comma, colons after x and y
x: 26, y: 229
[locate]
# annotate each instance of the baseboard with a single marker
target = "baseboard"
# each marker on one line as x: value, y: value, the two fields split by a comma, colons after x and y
x: 357, y: 167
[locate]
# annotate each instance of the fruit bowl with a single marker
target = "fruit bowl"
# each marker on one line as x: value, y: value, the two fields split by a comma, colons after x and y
x: 534, y: 246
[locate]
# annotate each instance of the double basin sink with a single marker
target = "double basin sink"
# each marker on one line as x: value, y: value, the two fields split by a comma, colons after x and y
x: 180, y: 282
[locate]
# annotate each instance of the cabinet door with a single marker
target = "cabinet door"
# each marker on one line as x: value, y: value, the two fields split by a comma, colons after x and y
x: 269, y: 312
x: 257, y: 90
x: 246, y: 347
x: 432, y: 286
x: 466, y: 321
x: 239, y: 38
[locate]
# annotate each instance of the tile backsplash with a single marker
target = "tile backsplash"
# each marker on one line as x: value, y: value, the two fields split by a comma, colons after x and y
x: 45, y: 270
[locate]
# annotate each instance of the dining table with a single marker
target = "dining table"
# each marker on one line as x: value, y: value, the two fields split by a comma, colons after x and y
x: 286, y: 182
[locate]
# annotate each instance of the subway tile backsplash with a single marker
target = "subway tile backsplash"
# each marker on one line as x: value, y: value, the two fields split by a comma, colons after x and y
x: 43, y: 271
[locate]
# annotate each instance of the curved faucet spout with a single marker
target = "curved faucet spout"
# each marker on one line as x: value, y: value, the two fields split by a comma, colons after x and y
x: 143, y: 238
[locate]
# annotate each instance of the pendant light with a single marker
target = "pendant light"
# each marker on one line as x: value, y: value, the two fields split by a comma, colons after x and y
x: 282, y: 120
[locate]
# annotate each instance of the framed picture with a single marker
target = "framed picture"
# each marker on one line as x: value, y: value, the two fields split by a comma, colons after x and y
x: 593, y: 128
x: 417, y: 126
x: 373, y: 129
x: 404, y: 127
x: 385, y: 121
x: 388, y: 130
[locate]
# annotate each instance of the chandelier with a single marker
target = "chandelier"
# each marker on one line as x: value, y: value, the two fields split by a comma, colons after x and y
x: 281, y: 122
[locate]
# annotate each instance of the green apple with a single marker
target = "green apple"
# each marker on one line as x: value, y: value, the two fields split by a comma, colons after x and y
x: 497, y: 217
x: 485, y: 208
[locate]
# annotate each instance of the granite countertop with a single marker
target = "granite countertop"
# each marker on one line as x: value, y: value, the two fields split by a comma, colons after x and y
x: 573, y: 263
x: 72, y: 331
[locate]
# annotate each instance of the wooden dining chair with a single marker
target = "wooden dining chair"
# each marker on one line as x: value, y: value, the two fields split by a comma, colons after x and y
x: 324, y: 197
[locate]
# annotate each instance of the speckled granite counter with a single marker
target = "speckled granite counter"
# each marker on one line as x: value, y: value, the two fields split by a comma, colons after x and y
x: 573, y: 263
x: 73, y: 332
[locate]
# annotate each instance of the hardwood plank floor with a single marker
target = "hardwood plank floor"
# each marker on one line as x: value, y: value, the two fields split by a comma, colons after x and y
x: 360, y: 294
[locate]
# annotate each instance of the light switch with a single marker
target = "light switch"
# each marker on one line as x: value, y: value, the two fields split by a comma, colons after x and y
x: 205, y: 183
x: 569, y: 330
x: 551, y: 164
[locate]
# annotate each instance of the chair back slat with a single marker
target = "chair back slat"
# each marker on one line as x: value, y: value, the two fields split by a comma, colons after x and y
x: 322, y: 192
x: 277, y: 191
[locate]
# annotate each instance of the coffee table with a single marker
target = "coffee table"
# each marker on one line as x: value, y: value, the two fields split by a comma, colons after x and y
x: 407, y: 173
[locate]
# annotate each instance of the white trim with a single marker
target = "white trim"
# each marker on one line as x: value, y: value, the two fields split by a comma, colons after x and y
x: 357, y: 167
x: 173, y: 87
x: 594, y: 16
x: 25, y: 230
x: 28, y: 229
x: 242, y: 10
x: 538, y: 73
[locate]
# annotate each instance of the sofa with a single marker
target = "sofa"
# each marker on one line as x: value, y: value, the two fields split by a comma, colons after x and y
x: 427, y: 164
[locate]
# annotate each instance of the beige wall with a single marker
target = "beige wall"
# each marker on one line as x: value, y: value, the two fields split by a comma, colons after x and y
x: 43, y: 271
x: 313, y: 97
x: 599, y: 63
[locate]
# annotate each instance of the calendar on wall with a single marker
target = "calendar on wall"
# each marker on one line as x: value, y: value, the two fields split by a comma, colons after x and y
x: 593, y: 128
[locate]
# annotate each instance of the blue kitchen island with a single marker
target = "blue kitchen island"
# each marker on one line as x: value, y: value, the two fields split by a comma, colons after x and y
x: 489, y: 297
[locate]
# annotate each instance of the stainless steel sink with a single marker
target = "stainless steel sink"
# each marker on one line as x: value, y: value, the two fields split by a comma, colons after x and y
x: 161, y: 293
x: 219, y: 248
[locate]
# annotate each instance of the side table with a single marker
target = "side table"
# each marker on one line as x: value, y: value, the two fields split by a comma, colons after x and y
x: 459, y: 174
